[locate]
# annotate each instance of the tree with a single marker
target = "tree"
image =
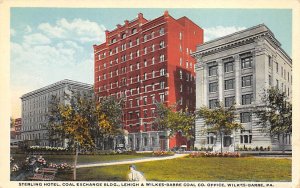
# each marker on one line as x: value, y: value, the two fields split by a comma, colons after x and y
x: 175, y: 121
x: 82, y: 121
x: 109, y: 112
x: 220, y: 120
x: 73, y: 121
x: 275, y: 116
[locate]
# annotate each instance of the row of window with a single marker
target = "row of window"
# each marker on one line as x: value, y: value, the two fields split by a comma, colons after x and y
x: 230, y: 101
x: 230, y: 83
x: 161, y: 59
x: 246, y: 62
x: 245, y: 138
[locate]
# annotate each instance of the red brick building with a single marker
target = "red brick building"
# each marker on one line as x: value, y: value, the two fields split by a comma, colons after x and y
x: 18, y: 126
x: 145, y: 62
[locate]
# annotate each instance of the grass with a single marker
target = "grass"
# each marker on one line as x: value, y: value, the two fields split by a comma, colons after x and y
x: 82, y: 159
x: 195, y: 169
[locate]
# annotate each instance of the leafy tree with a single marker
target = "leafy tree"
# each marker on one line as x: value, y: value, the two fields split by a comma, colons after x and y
x: 73, y: 121
x: 175, y: 121
x: 220, y: 120
x: 275, y: 116
x: 82, y: 121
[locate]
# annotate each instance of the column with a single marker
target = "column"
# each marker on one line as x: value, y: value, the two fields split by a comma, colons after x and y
x: 133, y: 141
x: 157, y: 139
x: 237, y: 67
x: 221, y: 80
x: 141, y: 141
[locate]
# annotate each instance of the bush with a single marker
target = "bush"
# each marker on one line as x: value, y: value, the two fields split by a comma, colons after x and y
x: 162, y: 153
x: 213, y: 154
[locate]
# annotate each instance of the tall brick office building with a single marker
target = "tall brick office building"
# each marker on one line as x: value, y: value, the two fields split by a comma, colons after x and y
x: 145, y: 62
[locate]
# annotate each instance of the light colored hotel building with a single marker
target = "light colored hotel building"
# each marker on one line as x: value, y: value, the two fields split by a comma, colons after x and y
x: 36, y: 106
x: 238, y: 68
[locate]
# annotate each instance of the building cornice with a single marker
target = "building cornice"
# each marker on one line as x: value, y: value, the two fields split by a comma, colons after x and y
x: 57, y: 85
x: 237, y: 39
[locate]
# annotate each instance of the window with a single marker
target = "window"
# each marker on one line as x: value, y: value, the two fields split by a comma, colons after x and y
x: 153, y: 74
x: 152, y: 34
x: 130, y: 67
x: 104, y: 76
x: 245, y: 117
x: 130, y: 43
x: 246, y: 62
x: 123, y: 35
x: 229, y: 101
x: 113, y: 40
x: 137, y: 65
x: 145, y: 76
x: 213, y: 87
x: 145, y: 114
x: 153, y: 47
x: 104, y: 65
x: 277, y: 84
x: 138, y: 53
x: 130, y: 55
x: 162, y: 31
x: 228, y: 67
x: 145, y: 100
x: 99, y: 78
x: 270, y: 61
x: 145, y: 63
x: 180, y: 61
x: 153, y: 60
x: 110, y: 74
x: 145, y: 138
x: 145, y: 38
x: 162, y: 58
x: 137, y: 101
x: 117, y: 60
x: 130, y: 103
x: 162, y: 72
x: 187, y: 64
x: 277, y: 67
x: 153, y: 99
x: 247, y: 99
x: 212, y: 71
x: 162, y: 97
x: 180, y: 36
x: 229, y: 84
x: 145, y: 50
x: 247, y: 81
x: 181, y: 88
x: 213, y: 103
x: 131, y: 80
x: 162, y: 85
x: 137, y: 41
x: 134, y: 30
x: 180, y: 74
x: 246, y: 137
x: 270, y: 80
x: 162, y: 44
x: 211, y: 138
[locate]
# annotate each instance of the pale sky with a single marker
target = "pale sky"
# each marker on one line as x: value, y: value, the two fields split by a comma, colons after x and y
x: 51, y: 44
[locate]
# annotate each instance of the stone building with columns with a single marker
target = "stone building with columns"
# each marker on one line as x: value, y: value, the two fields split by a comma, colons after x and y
x: 237, y: 69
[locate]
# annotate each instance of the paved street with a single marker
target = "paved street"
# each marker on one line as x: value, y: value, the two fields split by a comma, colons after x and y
x: 130, y: 161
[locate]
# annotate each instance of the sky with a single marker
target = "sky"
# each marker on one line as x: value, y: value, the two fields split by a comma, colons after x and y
x: 52, y: 44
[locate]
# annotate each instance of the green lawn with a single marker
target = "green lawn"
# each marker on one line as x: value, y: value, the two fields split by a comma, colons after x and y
x: 85, y: 158
x: 195, y: 169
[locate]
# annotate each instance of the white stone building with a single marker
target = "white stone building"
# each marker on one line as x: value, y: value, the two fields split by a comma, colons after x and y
x: 238, y: 68
x: 35, y: 107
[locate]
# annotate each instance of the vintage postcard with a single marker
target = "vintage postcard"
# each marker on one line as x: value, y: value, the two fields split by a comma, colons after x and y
x: 149, y: 94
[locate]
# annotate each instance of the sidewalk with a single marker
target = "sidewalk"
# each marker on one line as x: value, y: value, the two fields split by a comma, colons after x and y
x: 130, y: 161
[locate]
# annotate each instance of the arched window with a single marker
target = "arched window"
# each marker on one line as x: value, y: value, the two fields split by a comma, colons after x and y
x: 134, y: 30
x: 123, y: 35
x: 113, y: 40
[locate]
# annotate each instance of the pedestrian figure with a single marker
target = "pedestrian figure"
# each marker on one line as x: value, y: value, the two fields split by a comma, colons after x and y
x: 135, y: 175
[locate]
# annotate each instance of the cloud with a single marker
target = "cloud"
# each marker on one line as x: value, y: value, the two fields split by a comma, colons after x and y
x: 36, y: 39
x: 219, y: 31
x: 28, y: 29
x: 76, y: 29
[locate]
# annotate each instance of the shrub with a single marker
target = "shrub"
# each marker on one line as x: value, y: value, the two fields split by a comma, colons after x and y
x: 162, y: 153
x: 213, y: 154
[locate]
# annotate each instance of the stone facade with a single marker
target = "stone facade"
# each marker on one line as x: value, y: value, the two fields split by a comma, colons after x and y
x: 35, y: 107
x: 238, y: 68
